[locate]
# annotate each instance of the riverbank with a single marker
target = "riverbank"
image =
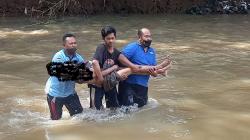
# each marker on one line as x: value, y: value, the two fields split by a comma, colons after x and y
x: 48, y: 9
x: 45, y: 8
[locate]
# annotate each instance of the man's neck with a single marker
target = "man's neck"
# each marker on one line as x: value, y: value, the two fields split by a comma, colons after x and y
x: 69, y: 55
x: 144, y: 48
x: 110, y: 49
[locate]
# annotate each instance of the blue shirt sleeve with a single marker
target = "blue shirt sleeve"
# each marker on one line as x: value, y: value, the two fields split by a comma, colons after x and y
x: 58, y: 58
x: 129, y: 50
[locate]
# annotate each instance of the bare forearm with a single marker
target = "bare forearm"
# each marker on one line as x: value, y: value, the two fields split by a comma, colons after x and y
x: 109, y: 70
x: 127, y: 63
x: 144, y: 69
x: 97, y: 70
x: 136, y: 69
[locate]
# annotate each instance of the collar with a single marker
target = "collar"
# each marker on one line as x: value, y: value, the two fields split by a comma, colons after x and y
x: 139, y: 44
x: 69, y: 56
x: 106, y: 47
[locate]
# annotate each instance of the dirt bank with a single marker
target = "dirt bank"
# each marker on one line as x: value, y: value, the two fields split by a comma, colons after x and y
x: 79, y: 7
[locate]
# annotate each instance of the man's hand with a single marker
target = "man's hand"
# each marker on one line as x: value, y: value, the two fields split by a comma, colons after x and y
x: 115, y: 67
x: 164, y: 70
x: 152, y: 72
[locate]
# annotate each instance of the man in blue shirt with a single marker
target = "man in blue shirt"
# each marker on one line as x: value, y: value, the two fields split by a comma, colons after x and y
x: 109, y: 58
x: 61, y: 93
x: 135, y: 88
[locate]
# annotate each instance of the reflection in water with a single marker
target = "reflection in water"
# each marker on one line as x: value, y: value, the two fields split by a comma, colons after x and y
x: 205, y: 95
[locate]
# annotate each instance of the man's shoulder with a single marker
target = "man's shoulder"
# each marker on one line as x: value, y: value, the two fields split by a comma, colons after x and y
x: 59, y: 55
x: 117, y: 50
x: 132, y: 45
x: 99, y: 52
x: 100, y: 46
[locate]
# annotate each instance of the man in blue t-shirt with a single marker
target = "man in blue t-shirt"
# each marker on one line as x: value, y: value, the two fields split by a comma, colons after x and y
x: 109, y: 58
x: 135, y: 88
x: 61, y: 93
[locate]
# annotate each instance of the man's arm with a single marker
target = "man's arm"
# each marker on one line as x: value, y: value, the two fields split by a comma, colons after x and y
x: 137, y: 69
x: 127, y: 63
x: 97, y: 70
x: 109, y: 70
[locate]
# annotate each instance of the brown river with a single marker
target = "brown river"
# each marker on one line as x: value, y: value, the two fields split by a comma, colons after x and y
x: 206, y: 95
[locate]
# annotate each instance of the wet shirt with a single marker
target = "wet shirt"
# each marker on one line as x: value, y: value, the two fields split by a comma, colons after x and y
x: 105, y: 58
x: 57, y: 88
x: 136, y: 54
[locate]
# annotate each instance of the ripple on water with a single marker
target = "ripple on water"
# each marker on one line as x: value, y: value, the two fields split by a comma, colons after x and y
x: 5, y: 56
x: 107, y: 115
x: 181, y: 133
x: 152, y: 130
x: 20, y: 32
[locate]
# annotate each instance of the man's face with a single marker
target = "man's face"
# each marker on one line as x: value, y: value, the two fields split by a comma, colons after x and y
x: 70, y: 45
x: 110, y: 40
x: 146, y: 36
x: 70, y: 42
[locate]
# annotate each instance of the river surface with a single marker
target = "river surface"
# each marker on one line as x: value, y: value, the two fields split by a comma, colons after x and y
x: 206, y: 95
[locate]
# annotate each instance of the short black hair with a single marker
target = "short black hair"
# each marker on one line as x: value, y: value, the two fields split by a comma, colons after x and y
x: 107, y: 30
x: 67, y: 35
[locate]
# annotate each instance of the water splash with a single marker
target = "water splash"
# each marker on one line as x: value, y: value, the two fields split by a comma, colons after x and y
x: 24, y: 115
x: 108, y: 115
x: 181, y: 133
